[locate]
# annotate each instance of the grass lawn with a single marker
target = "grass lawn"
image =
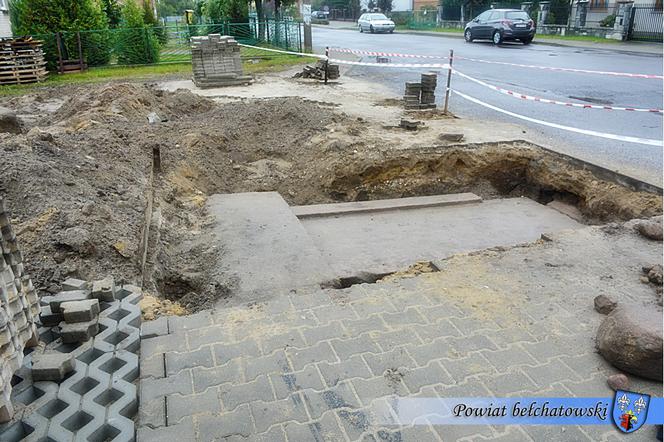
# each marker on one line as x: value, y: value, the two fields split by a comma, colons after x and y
x: 137, y: 73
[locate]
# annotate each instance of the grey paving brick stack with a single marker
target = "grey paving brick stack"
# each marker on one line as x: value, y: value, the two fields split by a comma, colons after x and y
x: 428, y: 96
x: 216, y: 62
x: 19, y: 310
x: 411, y: 96
x: 421, y: 95
x: 81, y: 390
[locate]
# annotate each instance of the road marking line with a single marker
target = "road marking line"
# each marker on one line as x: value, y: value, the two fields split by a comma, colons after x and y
x: 593, y: 133
x: 546, y: 100
x: 477, y: 60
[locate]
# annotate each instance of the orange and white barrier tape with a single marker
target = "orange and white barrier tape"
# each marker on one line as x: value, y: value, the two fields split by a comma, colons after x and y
x: 546, y: 100
x: 627, y: 139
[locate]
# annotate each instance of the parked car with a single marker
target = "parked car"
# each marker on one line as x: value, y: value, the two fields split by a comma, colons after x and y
x: 501, y: 25
x: 374, y: 22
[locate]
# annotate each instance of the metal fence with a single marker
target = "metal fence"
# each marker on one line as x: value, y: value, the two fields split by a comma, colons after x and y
x: 646, y: 23
x: 74, y: 50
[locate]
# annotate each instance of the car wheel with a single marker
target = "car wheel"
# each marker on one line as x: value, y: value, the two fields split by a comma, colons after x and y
x: 371, y: 29
x: 527, y: 41
x: 361, y: 30
x: 497, y: 38
x: 468, y: 36
x: 391, y: 31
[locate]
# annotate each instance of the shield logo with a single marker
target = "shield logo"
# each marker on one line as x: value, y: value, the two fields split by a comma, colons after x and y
x: 630, y: 410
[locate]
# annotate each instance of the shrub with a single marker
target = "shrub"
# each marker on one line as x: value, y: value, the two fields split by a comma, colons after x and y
x: 136, y: 43
x: 45, y: 17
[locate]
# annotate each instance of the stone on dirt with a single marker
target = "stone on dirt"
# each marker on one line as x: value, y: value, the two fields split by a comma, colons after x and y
x: 78, y: 239
x: 618, y: 382
x: 630, y: 338
x: 453, y: 138
x: 52, y: 366
x: 653, y: 274
x: 604, y: 304
x: 9, y: 122
x: 651, y: 229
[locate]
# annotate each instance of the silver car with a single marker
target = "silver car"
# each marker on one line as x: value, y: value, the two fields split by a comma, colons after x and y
x: 375, y: 22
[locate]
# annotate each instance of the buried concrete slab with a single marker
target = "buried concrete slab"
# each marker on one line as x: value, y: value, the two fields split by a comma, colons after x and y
x: 387, y: 241
x: 265, y: 246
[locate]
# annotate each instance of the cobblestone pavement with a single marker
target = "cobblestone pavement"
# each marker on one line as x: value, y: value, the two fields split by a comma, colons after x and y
x: 303, y: 367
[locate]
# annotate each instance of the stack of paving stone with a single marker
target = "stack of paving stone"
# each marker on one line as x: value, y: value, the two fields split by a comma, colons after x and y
x: 411, y: 97
x: 429, y: 82
x: 421, y: 95
x: 317, y: 72
x: 216, y: 62
x: 19, y: 310
x: 75, y: 310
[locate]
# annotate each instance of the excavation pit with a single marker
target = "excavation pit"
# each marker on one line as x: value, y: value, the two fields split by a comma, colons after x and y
x: 88, y: 202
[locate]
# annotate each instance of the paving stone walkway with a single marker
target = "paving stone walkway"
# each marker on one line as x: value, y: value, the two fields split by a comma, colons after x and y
x: 317, y: 366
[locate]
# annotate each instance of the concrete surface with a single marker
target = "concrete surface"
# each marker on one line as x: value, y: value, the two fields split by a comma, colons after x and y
x: 627, y: 47
x: 392, y: 240
x: 417, y: 202
x: 640, y: 161
x: 265, y: 246
x: 316, y: 367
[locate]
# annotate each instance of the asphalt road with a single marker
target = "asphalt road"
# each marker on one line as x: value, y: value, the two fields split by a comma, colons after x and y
x: 637, y: 160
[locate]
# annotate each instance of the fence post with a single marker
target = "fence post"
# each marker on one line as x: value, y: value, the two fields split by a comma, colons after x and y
x: 449, y: 80
x: 58, y: 42
x: 80, y: 51
x: 327, y: 58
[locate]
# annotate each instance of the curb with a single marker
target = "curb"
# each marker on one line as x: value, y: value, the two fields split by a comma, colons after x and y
x: 540, y: 42
x: 535, y: 42
x: 418, y: 202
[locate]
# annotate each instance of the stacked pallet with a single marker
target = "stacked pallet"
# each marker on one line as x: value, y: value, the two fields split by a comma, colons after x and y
x: 19, y: 310
x: 216, y: 61
x: 21, y: 61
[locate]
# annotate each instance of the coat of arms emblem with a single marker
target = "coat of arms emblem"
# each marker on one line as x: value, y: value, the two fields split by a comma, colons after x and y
x: 630, y: 410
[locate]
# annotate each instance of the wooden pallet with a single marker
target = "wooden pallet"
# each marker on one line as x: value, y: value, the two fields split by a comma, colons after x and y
x: 21, y: 61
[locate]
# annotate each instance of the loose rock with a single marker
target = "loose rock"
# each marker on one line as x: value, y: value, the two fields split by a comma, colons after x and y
x: 9, y: 122
x: 618, y: 382
x: 653, y: 274
x: 651, y: 229
x: 78, y: 239
x: 630, y: 339
x: 604, y: 304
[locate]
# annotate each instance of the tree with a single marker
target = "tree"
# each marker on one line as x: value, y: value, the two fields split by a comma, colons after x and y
x: 150, y: 20
x: 384, y: 5
x: 113, y: 12
x: 34, y: 17
x: 237, y: 11
x: 137, y: 43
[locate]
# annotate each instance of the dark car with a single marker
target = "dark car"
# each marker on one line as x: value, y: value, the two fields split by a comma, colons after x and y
x: 501, y: 25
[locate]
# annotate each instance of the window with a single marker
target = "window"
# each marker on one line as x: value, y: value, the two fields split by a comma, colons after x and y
x: 484, y: 16
x: 495, y: 15
x: 599, y: 4
x: 517, y: 15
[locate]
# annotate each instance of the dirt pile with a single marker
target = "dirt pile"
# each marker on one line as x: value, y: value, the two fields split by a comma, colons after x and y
x: 78, y: 179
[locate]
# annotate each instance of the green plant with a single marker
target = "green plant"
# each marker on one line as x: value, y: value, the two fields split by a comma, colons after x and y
x: 136, y: 43
x: 46, y: 17
x: 150, y: 20
x: 113, y: 12
x: 608, y: 21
